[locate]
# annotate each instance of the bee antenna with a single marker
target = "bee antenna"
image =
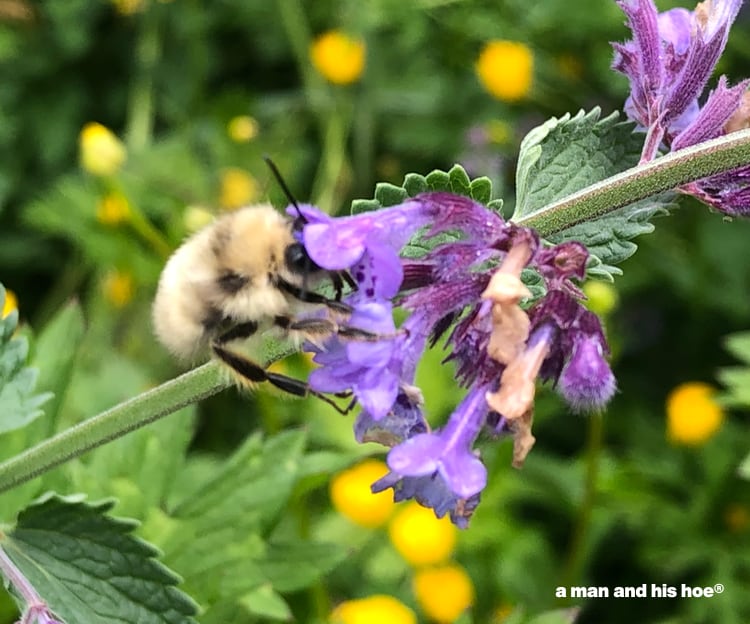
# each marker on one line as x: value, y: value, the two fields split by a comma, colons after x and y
x: 277, y: 174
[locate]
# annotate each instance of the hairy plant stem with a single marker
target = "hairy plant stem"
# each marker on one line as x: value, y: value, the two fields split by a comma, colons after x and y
x: 141, y: 410
x: 663, y: 174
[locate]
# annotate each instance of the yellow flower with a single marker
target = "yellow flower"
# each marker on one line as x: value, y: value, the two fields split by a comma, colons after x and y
x: 443, y: 593
x: 373, y: 610
x: 692, y: 414
x: 351, y: 495
x: 10, y: 304
x: 101, y: 152
x: 420, y: 537
x: 238, y: 188
x: 505, y: 69
x: 501, y: 613
x: 128, y: 7
x: 602, y: 297
x: 118, y: 288
x: 499, y: 131
x: 338, y: 57
x: 195, y: 218
x: 242, y: 128
x: 112, y: 209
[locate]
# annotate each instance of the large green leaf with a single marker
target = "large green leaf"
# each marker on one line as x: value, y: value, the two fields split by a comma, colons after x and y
x: 89, y: 567
x: 567, y: 154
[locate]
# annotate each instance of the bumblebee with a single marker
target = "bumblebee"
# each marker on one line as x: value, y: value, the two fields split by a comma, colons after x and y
x: 245, y: 273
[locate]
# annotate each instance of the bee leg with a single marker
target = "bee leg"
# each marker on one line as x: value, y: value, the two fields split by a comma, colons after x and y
x: 254, y: 373
x: 338, y: 279
x: 324, y: 327
x: 243, y: 330
x: 311, y: 297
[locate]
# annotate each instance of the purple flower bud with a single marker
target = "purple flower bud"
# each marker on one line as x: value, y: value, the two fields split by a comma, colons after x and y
x: 587, y: 382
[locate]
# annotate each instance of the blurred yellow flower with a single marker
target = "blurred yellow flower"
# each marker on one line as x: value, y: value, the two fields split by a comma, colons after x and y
x: 420, y: 537
x: 602, y: 297
x: 238, y: 188
x: 352, y: 498
x: 128, y: 7
x: 112, y: 209
x: 443, y: 593
x: 118, y: 288
x: 378, y: 609
x: 501, y: 613
x: 101, y: 152
x: 195, y: 218
x: 338, y: 57
x: 693, y: 416
x: 10, y: 304
x: 505, y: 69
x: 242, y: 128
x: 499, y: 131
x: 737, y: 517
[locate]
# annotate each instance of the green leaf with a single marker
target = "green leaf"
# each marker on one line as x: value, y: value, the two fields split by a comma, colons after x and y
x: 265, y: 602
x: 90, y: 568
x: 565, y: 155
x: 295, y: 565
x: 454, y: 181
x: 55, y: 350
x: 737, y: 378
x: 19, y: 403
x: 743, y: 470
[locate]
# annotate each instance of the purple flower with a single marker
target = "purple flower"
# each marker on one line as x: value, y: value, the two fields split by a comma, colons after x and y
x: 669, y: 62
x: 432, y: 492
x: 586, y: 382
x: 403, y: 421
x: 448, y: 452
x: 368, y: 244
x: 370, y: 369
x: 468, y: 287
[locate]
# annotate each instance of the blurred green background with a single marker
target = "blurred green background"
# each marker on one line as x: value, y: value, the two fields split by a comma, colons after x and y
x: 198, y: 91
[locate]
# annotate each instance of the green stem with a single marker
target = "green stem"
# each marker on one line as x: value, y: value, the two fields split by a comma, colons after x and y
x: 141, y: 97
x: 579, y: 544
x: 332, y: 163
x: 333, y: 125
x: 193, y: 386
x: 660, y: 175
x: 146, y: 230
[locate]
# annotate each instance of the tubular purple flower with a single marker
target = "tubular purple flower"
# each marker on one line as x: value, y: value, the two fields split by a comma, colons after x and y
x: 431, y: 492
x: 370, y: 369
x: 665, y: 85
x: 448, y: 452
x: 643, y: 21
x: 404, y: 421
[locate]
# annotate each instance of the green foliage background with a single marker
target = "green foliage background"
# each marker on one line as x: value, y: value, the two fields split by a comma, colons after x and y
x: 167, y: 79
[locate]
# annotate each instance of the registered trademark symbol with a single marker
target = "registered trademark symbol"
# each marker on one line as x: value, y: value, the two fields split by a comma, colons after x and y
x: 718, y: 588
